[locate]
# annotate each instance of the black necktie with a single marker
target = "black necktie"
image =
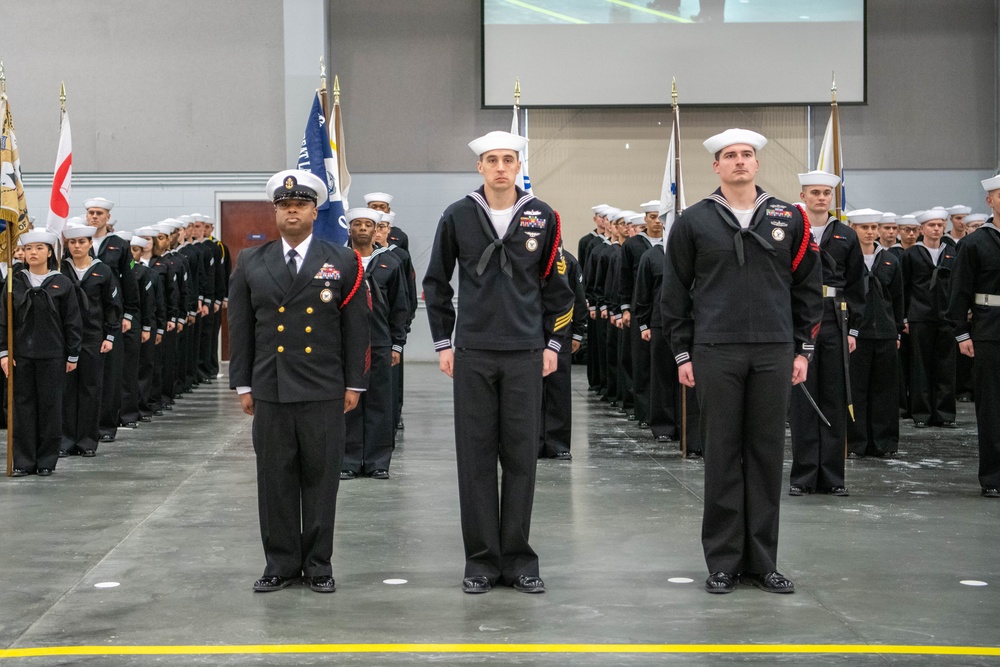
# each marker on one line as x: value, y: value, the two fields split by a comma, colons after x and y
x: 292, y: 267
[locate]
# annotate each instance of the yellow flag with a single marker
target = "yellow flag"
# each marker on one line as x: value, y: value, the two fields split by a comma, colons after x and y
x: 13, y: 206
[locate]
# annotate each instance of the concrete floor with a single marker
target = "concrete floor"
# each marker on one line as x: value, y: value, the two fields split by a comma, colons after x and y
x: 169, y: 512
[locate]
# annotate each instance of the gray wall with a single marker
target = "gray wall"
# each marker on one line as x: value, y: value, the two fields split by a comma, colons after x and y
x: 184, y: 85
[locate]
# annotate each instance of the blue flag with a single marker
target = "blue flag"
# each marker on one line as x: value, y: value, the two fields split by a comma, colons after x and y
x: 316, y: 156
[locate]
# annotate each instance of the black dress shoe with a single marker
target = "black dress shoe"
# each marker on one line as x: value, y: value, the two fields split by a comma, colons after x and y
x: 631, y: 417
x: 348, y: 474
x: 796, y: 490
x: 324, y: 584
x: 88, y: 453
x: 526, y: 583
x: 166, y: 407
x: 948, y: 425
x: 772, y: 582
x: 664, y: 438
x: 563, y: 456
x: 643, y: 424
x: 131, y: 425
x: 107, y: 438
x: 838, y: 491
x: 399, y: 425
x: 145, y: 418
x: 720, y: 582
x: 19, y: 472
x: 158, y: 413
x: 476, y: 585
x: 380, y: 474
x: 63, y: 453
x: 269, y: 584
x: 920, y: 424
x: 694, y: 454
x: 44, y: 472
x: 991, y: 492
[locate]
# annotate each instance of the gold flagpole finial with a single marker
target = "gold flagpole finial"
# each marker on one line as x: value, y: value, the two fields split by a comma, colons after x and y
x: 833, y: 88
x: 673, y: 90
x: 322, y: 73
x: 3, y: 79
x: 336, y: 89
x: 62, y: 95
x: 517, y: 91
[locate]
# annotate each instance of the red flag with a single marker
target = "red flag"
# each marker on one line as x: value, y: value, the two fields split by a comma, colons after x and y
x: 61, y: 179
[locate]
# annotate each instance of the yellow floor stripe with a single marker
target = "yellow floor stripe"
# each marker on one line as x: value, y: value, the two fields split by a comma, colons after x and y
x: 547, y: 12
x: 654, y: 12
x: 865, y: 649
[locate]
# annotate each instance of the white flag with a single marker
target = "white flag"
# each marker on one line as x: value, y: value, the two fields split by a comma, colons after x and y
x: 672, y: 193
x: 831, y: 156
x: 61, y: 180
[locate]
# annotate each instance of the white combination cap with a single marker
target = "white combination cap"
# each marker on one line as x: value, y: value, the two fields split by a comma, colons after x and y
x: 819, y: 178
x: 78, y: 231
x: 652, y: 206
x: 863, y: 216
x: 378, y: 196
x: 498, y: 140
x: 38, y: 236
x: 296, y: 184
x: 991, y: 184
x: 733, y: 136
x: 936, y: 213
x: 99, y: 202
x: 363, y: 213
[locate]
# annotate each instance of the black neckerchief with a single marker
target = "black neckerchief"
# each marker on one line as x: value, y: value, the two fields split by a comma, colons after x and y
x: 729, y: 216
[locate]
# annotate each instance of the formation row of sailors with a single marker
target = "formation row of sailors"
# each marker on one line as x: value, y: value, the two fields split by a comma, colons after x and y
x: 113, y: 334
x: 886, y: 346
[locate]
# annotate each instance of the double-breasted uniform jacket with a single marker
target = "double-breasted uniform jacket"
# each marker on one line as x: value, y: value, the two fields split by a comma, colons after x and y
x: 302, y: 339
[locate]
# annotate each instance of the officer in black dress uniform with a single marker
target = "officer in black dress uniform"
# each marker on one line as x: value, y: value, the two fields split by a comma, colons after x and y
x: 113, y: 251
x: 48, y: 332
x: 556, y: 433
x: 874, y: 368
x: 742, y: 301
x: 927, y: 270
x: 101, y: 313
x: 370, y: 427
x: 511, y: 300
x: 298, y: 334
x: 975, y: 288
x: 818, y: 449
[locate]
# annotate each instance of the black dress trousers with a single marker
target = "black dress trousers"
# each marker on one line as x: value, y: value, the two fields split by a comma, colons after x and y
x: 82, y: 402
x: 664, y: 389
x: 818, y: 449
x: 986, y: 374
x: 557, y: 408
x: 299, y: 454
x: 614, y: 392
x: 874, y: 384
x: 111, y: 391
x: 932, y: 372
x: 147, y: 362
x: 38, y: 397
x: 742, y: 391
x: 497, y: 406
x: 130, y: 376
x: 369, y: 425
x: 626, y: 388
x: 641, y: 370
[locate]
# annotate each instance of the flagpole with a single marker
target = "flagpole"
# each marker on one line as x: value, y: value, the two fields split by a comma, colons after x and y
x: 9, y: 231
x: 322, y: 89
x: 836, y: 147
x: 676, y: 139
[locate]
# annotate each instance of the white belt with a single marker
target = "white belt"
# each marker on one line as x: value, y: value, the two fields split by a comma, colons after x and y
x: 829, y: 292
x: 988, y: 299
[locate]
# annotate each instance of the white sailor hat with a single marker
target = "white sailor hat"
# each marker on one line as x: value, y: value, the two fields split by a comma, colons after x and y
x: 296, y: 184
x: 389, y: 217
x: 610, y: 212
x: 150, y: 232
x: 498, y: 140
x: 819, y: 178
x: 186, y: 219
x: 936, y: 213
x: 75, y: 220
x: 78, y: 231
x: 139, y: 241
x: 597, y: 209
x: 173, y: 223
x: 888, y: 218
x: 862, y: 216
x: 652, y: 206
x: 364, y: 213
x: 99, y: 202
x: 907, y: 221
x: 198, y: 217
x: 636, y: 219
x: 976, y: 217
x: 378, y: 196
x: 621, y: 214
x: 959, y: 209
x: 124, y: 235
x: 991, y: 184
x: 164, y: 227
x: 38, y: 236
x: 735, y: 135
